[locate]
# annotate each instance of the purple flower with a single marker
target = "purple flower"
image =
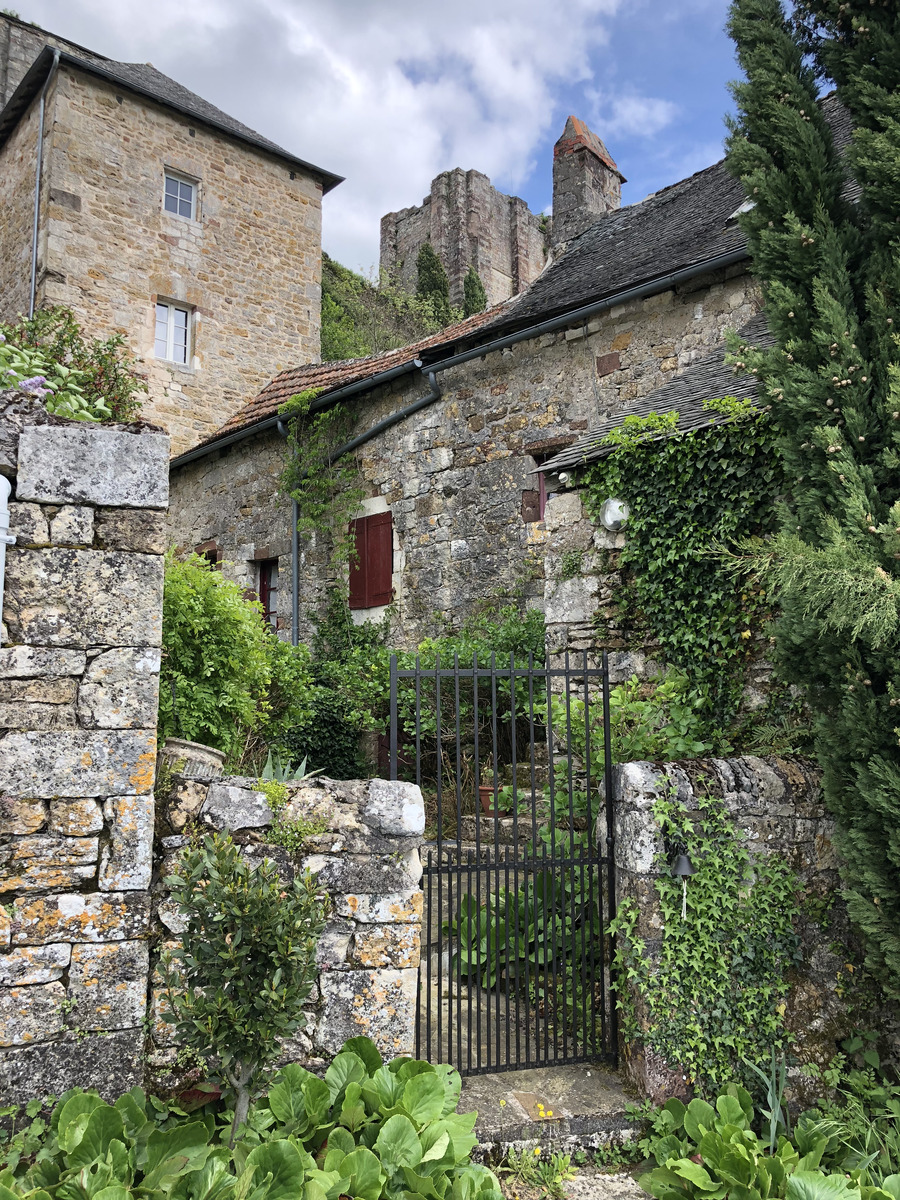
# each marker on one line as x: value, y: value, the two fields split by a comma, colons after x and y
x: 34, y: 384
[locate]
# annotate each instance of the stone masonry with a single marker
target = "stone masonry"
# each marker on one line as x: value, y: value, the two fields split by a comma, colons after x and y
x: 586, y: 182
x: 367, y: 864
x: 79, y: 675
x: 469, y: 223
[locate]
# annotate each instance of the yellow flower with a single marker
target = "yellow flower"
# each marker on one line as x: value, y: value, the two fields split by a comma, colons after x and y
x: 503, y: 1104
x: 549, y: 1113
x: 537, y: 1150
x: 746, y: 634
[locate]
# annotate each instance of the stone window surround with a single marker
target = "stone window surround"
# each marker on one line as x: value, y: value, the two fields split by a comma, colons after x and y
x: 171, y: 307
x: 183, y: 180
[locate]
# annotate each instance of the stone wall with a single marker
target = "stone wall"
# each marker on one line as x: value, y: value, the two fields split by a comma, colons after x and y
x: 469, y: 223
x: 248, y: 268
x: 367, y: 864
x: 456, y: 475
x: 777, y: 804
x: 79, y: 673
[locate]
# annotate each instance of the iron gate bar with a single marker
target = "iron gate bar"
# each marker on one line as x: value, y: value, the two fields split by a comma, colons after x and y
x: 565, y: 887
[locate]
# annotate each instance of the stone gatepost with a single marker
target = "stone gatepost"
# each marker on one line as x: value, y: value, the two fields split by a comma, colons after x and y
x: 366, y: 860
x: 79, y: 680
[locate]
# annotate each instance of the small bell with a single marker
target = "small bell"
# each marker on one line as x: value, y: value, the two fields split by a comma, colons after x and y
x: 681, y: 869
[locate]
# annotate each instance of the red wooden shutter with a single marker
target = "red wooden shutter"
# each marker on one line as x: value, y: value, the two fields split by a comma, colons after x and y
x: 380, y: 560
x: 358, y: 565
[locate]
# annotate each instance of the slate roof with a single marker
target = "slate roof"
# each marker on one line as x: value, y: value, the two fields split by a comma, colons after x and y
x: 145, y: 80
x: 708, y: 379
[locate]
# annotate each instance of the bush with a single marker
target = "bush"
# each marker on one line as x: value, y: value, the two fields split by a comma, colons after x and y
x: 329, y: 739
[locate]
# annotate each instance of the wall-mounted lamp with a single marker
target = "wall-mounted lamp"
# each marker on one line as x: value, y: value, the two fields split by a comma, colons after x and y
x: 683, y: 868
x: 614, y: 514
x: 563, y: 477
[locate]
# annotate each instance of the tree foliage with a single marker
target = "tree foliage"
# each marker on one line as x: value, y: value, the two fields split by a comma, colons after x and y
x: 827, y: 257
x: 474, y: 295
x: 433, y: 287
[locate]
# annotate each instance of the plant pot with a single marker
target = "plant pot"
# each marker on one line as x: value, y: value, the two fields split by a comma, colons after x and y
x: 191, y: 758
x: 488, y: 797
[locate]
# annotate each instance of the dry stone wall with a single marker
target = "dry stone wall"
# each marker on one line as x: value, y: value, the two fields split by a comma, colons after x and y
x: 366, y: 860
x: 79, y: 676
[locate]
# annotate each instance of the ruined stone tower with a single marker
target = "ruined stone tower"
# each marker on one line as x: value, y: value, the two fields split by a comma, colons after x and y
x: 469, y: 223
x: 586, y: 182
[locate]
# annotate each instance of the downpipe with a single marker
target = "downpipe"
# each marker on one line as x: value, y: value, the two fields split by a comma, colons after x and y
x: 38, y: 172
x: 5, y: 538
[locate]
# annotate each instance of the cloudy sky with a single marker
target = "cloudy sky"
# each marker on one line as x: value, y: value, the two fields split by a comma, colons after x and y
x: 390, y: 92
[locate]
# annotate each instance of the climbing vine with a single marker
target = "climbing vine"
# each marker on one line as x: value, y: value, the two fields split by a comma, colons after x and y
x: 328, y: 491
x: 691, y: 494
x: 714, y: 995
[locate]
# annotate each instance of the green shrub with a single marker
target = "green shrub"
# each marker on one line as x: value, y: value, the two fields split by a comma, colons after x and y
x: 246, y: 962
x: 330, y: 738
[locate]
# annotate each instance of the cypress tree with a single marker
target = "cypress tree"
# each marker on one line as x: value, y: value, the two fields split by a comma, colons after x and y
x: 433, y: 284
x: 828, y: 258
x: 474, y: 295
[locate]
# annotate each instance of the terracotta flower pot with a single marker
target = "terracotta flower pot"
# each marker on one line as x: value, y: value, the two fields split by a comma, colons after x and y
x: 489, y: 801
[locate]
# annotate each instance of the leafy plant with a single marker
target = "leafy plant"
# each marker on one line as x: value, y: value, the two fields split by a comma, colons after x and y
x: 713, y: 996
x: 246, y: 963
x: 474, y: 295
x: 432, y: 284
x: 291, y: 835
x: 532, y: 1167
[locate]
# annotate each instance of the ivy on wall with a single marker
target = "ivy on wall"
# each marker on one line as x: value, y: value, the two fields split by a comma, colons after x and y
x: 690, y: 495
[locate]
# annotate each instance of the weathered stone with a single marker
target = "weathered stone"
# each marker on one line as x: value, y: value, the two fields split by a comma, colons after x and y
x: 42, y: 861
x: 23, y: 662
x: 31, y: 1014
x: 109, y: 984
x: 234, y: 808
x: 186, y: 798
x: 112, y: 1063
x: 87, y: 464
x: 331, y: 952
x: 78, y: 762
x: 127, y: 862
x: 403, y: 907
x: 394, y: 807
x: 63, y: 597
x: 42, y: 690
x: 386, y: 946
x: 380, y: 1005
x: 34, y: 964
x: 18, y: 409
x: 28, y: 525
x: 19, y: 714
x: 75, y: 818
x: 258, y: 852
x: 18, y: 817
x: 83, y: 917
x: 141, y: 531
x: 5, y: 929
x: 120, y: 690
x: 353, y: 873
x: 72, y: 526
x: 171, y: 916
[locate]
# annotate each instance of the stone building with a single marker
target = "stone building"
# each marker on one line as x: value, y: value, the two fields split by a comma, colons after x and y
x: 636, y: 298
x: 159, y: 217
x: 470, y: 224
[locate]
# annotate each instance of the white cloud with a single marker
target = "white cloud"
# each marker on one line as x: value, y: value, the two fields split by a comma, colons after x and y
x: 386, y: 93
x: 630, y: 114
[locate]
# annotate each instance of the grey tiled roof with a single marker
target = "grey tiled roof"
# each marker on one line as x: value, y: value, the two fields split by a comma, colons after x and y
x: 147, y: 81
x: 708, y: 379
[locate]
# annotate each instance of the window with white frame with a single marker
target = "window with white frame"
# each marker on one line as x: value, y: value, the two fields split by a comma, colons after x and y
x: 180, y: 196
x: 173, y: 333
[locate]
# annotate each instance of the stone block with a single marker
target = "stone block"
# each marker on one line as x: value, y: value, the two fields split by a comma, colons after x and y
x: 28, y: 525
x: 75, y: 818
x: 404, y: 907
x: 78, y: 763
x: 331, y: 952
x: 185, y: 801
x: 19, y: 817
x: 37, y: 690
x: 234, y: 808
x: 394, y: 807
x: 81, y: 917
x: 111, y: 1063
x: 34, y: 964
x: 5, y: 929
x: 109, y: 984
x: 127, y: 861
x: 73, y: 525
x: 24, y: 662
x: 20, y: 714
x: 352, y: 873
x: 120, y: 690
x: 377, y: 946
x: 140, y: 531
x: 31, y: 1014
x: 63, y: 597
x: 572, y: 599
x: 90, y: 464
x: 42, y: 861
x: 380, y: 1005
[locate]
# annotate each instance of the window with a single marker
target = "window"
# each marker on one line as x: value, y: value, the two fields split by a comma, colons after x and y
x: 268, y: 590
x: 373, y: 565
x: 180, y: 197
x: 211, y: 552
x: 173, y: 326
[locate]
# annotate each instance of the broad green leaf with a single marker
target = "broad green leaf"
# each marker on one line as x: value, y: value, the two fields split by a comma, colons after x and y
x: 813, y: 1185
x: 341, y: 1139
x: 365, y: 1049
x: 104, y: 1125
x: 698, y: 1119
x: 675, y: 1110
x: 420, y: 1185
x: 114, y: 1192
x: 697, y: 1175
x: 891, y: 1185
x: 383, y: 1090
x: 213, y: 1182
x: 286, y: 1096
x: 730, y: 1110
x: 281, y: 1165
x: 73, y: 1118
x: 398, y: 1144
x: 344, y: 1069
x: 174, y: 1151
x: 452, y: 1081
x: 366, y: 1176
x: 423, y: 1098
x: 438, y: 1150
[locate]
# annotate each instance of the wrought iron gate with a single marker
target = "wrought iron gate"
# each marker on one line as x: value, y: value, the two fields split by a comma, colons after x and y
x: 515, y: 764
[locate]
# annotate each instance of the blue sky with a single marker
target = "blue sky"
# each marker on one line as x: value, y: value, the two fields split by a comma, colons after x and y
x: 390, y: 92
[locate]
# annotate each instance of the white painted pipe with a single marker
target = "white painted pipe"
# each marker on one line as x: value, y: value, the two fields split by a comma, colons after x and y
x: 5, y: 539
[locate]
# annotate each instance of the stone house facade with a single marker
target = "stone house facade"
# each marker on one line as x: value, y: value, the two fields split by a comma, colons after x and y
x: 159, y: 217
x: 630, y: 304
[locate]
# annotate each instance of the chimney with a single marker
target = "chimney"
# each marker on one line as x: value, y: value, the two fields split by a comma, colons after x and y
x: 586, y: 182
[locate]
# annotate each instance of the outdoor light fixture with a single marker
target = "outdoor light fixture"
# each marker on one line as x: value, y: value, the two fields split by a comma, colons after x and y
x: 682, y: 867
x: 614, y: 514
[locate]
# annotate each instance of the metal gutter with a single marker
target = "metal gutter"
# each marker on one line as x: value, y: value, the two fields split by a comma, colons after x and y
x: 38, y: 171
